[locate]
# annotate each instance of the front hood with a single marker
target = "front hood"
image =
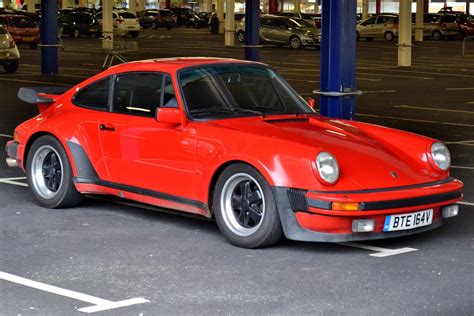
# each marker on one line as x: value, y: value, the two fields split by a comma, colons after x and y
x: 367, y: 159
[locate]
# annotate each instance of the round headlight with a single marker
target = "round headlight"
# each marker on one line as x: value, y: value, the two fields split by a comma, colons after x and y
x: 327, y: 166
x: 441, y: 156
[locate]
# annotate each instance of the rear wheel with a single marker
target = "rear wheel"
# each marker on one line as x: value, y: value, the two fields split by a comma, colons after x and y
x: 388, y: 36
x: 436, y: 35
x: 76, y: 33
x: 11, y: 67
x: 241, y: 36
x: 49, y: 174
x: 134, y: 34
x: 245, y: 208
x: 295, y: 42
x: 33, y: 45
x: 369, y: 39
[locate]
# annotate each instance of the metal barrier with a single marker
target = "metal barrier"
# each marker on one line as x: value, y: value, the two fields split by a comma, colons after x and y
x: 464, y: 46
x: 120, y: 47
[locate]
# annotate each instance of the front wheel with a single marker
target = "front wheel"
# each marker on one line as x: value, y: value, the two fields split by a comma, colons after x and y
x: 245, y: 208
x: 241, y: 36
x: 295, y: 42
x: 49, y: 174
x: 11, y: 67
x: 134, y: 34
x: 436, y: 35
x: 389, y: 36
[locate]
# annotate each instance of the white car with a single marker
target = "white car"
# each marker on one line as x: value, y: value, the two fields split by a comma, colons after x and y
x: 124, y: 23
x: 9, y: 54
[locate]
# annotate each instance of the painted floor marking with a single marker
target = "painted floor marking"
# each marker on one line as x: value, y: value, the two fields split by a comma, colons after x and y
x: 35, y: 81
x: 466, y: 203
x: 6, y: 136
x: 456, y: 89
x: 462, y: 167
x: 99, y: 303
x: 414, y: 120
x: 431, y: 109
x: 379, y: 251
x: 14, y: 181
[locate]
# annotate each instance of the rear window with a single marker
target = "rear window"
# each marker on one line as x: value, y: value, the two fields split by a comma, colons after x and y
x: 23, y: 21
x: 449, y: 19
x: 127, y: 15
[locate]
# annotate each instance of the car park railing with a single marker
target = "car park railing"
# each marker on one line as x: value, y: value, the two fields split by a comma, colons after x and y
x: 464, y: 47
x: 115, y: 53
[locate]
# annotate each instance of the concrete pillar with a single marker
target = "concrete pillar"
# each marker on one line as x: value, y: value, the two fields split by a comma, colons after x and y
x: 427, y: 6
x: 208, y: 5
x: 220, y: 15
x: 229, y: 23
x: 64, y: 4
x: 365, y: 9
x: 316, y: 6
x: 107, y: 25
x: 468, y: 7
x: 378, y: 6
x: 30, y: 5
x: 272, y: 6
x: 297, y: 4
x: 83, y: 3
x: 420, y: 5
x: 49, y: 37
x: 141, y: 5
x: 168, y: 4
x: 132, y: 6
x: 404, y: 34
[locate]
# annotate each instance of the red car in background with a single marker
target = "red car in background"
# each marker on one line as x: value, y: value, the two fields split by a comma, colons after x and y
x: 22, y: 28
x: 465, y: 25
x: 230, y: 140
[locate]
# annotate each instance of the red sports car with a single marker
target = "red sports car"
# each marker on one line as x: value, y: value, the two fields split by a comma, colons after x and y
x: 232, y: 140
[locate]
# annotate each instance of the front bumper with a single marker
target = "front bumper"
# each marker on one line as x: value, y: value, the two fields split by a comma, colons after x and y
x: 307, y: 215
x: 14, y: 150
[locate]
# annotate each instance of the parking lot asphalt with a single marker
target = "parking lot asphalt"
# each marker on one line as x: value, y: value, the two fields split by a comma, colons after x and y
x: 102, y: 253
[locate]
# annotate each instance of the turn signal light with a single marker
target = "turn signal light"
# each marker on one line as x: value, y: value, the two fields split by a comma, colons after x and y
x: 343, y: 206
x: 12, y: 44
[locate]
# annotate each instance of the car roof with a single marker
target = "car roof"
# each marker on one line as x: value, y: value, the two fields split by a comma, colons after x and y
x: 175, y: 63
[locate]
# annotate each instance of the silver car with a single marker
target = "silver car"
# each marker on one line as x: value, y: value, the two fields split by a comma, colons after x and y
x: 439, y: 26
x: 379, y: 26
x: 281, y: 31
x: 9, y: 54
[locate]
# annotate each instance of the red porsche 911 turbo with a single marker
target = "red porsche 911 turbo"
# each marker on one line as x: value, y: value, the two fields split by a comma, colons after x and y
x: 230, y: 140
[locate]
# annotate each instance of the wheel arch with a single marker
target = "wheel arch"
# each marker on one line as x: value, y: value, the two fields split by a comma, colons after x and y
x: 32, y: 139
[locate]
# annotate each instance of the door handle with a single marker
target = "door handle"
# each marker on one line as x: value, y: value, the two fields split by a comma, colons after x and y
x: 108, y: 128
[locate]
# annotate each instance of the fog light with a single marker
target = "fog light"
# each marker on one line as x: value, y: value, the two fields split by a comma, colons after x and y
x: 450, y: 211
x: 363, y: 225
x: 344, y: 206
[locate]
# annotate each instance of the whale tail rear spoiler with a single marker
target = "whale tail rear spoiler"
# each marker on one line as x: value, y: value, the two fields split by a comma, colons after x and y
x: 42, y: 96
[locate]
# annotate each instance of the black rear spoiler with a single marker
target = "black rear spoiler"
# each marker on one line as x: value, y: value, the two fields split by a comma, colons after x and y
x: 34, y: 95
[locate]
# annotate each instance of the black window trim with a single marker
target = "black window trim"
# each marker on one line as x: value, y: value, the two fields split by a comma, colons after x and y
x: 107, y: 109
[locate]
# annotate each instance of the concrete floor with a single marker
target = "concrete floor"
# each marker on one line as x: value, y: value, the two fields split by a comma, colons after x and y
x: 185, y: 266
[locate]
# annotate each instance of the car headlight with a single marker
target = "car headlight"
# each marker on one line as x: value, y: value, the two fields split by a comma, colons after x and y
x: 441, y: 156
x: 309, y: 34
x: 327, y: 167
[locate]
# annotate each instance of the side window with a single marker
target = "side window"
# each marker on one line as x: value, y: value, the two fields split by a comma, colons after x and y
x: 94, y: 96
x: 369, y: 21
x: 141, y: 93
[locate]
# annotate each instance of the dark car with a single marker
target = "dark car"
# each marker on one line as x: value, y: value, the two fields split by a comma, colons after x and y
x: 78, y: 23
x: 184, y: 16
x: 156, y: 18
x: 22, y: 28
x: 312, y: 18
x: 466, y: 25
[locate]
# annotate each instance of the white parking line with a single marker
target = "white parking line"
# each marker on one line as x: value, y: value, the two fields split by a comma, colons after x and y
x: 99, y: 303
x: 457, y: 89
x: 6, y: 136
x: 431, y: 109
x: 35, y: 81
x: 466, y: 203
x: 414, y: 120
x: 462, y: 167
x: 14, y: 181
x: 379, y: 252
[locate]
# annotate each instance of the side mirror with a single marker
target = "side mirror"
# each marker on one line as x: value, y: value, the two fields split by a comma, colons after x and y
x: 170, y: 116
x: 311, y: 103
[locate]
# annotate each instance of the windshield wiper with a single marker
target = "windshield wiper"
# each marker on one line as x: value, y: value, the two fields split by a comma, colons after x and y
x: 210, y: 111
x: 244, y: 110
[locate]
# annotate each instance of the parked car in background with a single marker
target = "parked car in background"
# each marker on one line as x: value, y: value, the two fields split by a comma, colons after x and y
x: 203, y: 20
x: 465, y: 25
x: 449, y: 10
x: 379, y: 26
x: 184, y: 16
x: 78, y: 23
x: 439, y: 26
x: 124, y: 23
x: 23, y: 29
x: 312, y: 18
x: 280, y: 30
x: 32, y: 15
x: 9, y: 54
x: 156, y: 18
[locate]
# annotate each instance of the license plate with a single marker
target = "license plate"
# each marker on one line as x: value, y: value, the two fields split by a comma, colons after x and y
x: 3, y: 54
x: 408, y: 221
x: 28, y: 39
x: 93, y: 30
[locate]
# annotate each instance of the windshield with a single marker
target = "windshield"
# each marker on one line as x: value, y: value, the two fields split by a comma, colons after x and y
x: 225, y: 91
x: 23, y: 21
x: 302, y: 23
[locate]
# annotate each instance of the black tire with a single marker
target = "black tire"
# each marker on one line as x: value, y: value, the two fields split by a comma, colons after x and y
x: 369, y: 39
x: 295, y: 42
x: 436, y: 36
x: 134, y: 34
x: 76, y: 33
x: 279, y: 45
x: 241, y: 36
x: 11, y: 67
x: 255, y: 222
x: 169, y: 27
x: 33, y: 45
x: 47, y: 155
x: 388, y: 36
x: 357, y: 36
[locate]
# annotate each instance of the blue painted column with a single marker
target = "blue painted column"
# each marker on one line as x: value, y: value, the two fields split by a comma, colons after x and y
x: 338, y: 59
x: 49, y: 37
x: 252, y: 30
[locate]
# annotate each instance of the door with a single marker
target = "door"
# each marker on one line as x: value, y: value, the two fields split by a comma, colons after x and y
x: 366, y: 28
x: 137, y: 151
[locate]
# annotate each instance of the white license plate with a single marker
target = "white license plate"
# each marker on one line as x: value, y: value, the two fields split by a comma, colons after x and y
x: 408, y: 221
